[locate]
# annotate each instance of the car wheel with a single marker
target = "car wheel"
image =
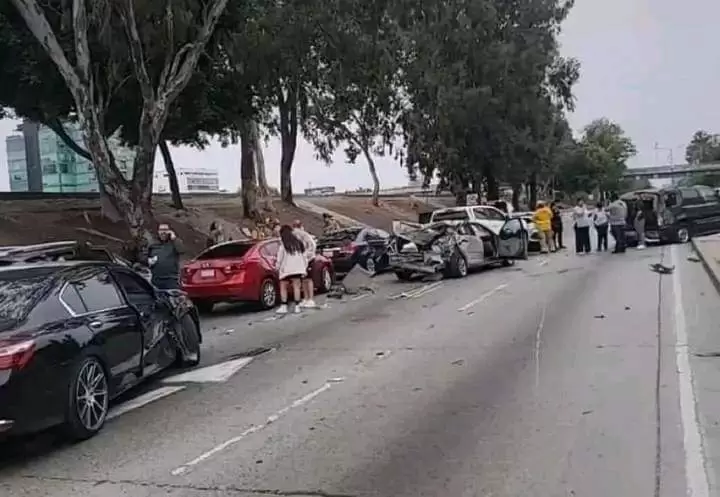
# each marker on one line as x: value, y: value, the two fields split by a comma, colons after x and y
x: 458, y: 266
x: 370, y: 264
x: 203, y: 306
x: 268, y: 294
x: 326, y: 279
x: 403, y: 275
x: 191, y: 340
x: 683, y: 234
x: 508, y: 262
x: 88, y: 399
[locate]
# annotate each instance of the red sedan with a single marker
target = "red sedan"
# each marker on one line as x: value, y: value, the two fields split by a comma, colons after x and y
x: 243, y: 271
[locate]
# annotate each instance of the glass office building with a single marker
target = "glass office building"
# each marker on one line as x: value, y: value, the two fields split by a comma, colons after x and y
x: 38, y: 160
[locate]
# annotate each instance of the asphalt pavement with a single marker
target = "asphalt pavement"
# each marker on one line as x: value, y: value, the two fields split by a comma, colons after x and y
x: 561, y: 376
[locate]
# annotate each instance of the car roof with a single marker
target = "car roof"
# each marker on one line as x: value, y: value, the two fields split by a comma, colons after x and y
x: 58, y: 265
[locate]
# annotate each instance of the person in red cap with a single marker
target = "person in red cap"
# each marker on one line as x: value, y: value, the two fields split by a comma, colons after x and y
x: 310, y: 247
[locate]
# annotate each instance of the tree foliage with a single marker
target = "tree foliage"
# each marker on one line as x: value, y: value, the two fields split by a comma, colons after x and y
x: 704, y: 148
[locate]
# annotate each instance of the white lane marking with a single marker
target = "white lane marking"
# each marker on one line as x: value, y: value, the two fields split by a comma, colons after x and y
x: 253, y: 429
x: 482, y: 298
x: 142, y: 400
x: 695, y: 471
x: 217, y: 373
x: 543, y: 262
x: 360, y: 297
x: 415, y: 291
x: 427, y: 290
x: 538, y: 343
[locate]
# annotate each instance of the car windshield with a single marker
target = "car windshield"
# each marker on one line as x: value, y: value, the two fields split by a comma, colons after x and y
x: 226, y: 251
x: 349, y: 234
x: 19, y: 290
x: 452, y: 215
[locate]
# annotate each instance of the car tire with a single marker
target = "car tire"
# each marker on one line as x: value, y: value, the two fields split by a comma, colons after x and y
x: 457, y: 268
x: 203, y: 306
x: 370, y: 265
x: 682, y: 235
x: 268, y: 294
x: 87, y: 406
x: 326, y: 280
x: 403, y: 275
x: 191, y: 338
x: 508, y: 262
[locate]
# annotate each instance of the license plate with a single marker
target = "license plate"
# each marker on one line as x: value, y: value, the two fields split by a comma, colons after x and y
x: 207, y: 273
x: 327, y: 253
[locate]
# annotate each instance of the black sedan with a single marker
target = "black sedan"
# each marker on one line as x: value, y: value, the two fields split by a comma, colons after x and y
x: 76, y: 334
x: 367, y: 247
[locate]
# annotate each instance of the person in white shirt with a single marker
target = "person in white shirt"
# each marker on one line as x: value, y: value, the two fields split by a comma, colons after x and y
x: 602, y: 223
x: 310, y: 249
x: 581, y: 223
x: 292, y: 267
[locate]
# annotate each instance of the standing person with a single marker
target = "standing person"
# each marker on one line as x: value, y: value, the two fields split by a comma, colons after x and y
x: 217, y: 234
x: 600, y: 220
x: 639, y: 225
x: 542, y: 217
x: 164, y: 259
x: 291, y: 266
x: 310, y: 249
x: 581, y: 223
x: 617, y: 214
x: 329, y: 224
x: 557, y: 226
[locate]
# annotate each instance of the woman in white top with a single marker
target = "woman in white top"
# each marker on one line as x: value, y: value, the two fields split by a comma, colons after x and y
x: 292, y: 267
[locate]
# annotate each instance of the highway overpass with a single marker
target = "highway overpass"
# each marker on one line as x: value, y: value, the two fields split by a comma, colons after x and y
x: 671, y: 171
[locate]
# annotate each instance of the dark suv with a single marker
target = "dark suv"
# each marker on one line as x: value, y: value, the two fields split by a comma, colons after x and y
x: 674, y: 214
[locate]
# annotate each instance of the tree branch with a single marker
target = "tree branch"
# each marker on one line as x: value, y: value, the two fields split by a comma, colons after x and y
x: 137, y: 52
x: 57, y: 126
x: 39, y: 26
x: 82, y: 48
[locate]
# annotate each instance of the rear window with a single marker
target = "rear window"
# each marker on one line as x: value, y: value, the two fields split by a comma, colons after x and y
x: 459, y: 215
x: 227, y: 251
x: 342, y: 235
x: 19, y: 291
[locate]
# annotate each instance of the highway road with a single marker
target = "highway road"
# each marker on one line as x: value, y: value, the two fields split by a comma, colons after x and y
x: 561, y: 376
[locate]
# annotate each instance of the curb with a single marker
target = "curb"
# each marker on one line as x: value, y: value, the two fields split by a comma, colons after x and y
x: 707, y: 265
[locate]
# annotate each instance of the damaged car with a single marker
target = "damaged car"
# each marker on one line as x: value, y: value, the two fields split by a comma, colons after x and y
x: 453, y: 248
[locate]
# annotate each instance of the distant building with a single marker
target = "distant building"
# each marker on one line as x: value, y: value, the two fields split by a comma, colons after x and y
x: 320, y: 191
x: 38, y: 160
x: 190, y: 180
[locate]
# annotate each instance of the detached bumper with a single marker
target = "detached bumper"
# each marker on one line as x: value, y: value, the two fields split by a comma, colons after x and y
x: 428, y: 263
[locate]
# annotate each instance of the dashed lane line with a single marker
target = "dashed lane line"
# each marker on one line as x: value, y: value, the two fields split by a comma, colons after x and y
x: 482, y: 298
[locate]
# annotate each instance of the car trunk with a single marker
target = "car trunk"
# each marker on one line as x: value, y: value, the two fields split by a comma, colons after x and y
x: 338, y: 244
x: 649, y: 202
x: 217, y: 265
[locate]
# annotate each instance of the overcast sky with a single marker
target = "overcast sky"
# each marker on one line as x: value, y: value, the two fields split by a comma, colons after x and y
x: 650, y: 65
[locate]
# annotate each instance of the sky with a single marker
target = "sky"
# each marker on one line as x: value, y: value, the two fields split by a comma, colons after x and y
x: 649, y: 65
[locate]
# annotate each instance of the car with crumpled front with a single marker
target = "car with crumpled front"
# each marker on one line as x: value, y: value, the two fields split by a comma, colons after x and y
x: 453, y: 248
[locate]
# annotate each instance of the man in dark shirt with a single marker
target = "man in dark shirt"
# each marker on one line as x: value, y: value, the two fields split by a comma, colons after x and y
x: 164, y: 259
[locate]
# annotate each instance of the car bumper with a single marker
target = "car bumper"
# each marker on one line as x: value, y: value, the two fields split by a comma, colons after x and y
x: 418, y: 263
x: 221, y: 293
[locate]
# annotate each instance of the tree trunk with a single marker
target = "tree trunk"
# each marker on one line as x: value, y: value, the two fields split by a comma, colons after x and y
x: 516, y: 188
x: 493, y: 187
x: 374, y: 175
x: 288, y: 109
x: 247, y: 173
x: 532, y: 185
x: 177, y: 202
x: 263, y: 188
x: 459, y: 189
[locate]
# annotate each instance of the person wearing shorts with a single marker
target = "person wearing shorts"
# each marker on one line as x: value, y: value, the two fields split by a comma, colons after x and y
x: 292, y: 268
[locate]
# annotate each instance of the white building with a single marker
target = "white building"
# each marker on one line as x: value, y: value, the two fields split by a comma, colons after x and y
x: 190, y: 180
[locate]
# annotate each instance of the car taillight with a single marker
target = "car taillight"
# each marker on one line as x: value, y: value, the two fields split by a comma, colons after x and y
x: 348, y: 249
x: 15, y: 355
x: 232, y: 269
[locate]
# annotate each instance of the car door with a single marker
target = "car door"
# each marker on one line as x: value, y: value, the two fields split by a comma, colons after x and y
x: 512, y: 240
x: 268, y: 253
x: 94, y: 298
x: 492, y: 217
x: 470, y: 244
x: 709, y: 212
x: 155, y: 317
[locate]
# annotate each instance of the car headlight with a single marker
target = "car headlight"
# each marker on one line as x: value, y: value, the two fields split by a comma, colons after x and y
x: 409, y: 247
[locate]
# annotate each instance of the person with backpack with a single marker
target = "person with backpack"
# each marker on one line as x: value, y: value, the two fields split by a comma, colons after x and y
x: 602, y: 225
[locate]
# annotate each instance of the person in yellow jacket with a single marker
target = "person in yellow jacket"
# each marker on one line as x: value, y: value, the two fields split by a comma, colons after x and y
x: 542, y: 217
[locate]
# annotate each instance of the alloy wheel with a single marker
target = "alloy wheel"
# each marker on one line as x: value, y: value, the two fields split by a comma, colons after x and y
x: 370, y: 264
x: 91, y: 396
x: 462, y: 267
x: 269, y: 294
x: 326, y: 279
x: 683, y: 235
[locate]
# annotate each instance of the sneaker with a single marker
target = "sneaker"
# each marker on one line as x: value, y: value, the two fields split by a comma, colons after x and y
x: 283, y: 309
x: 641, y: 246
x: 308, y: 304
x: 297, y: 309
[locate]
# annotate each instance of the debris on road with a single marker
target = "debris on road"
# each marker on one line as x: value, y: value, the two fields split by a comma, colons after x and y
x: 661, y: 269
x: 357, y: 281
x: 707, y: 354
x: 459, y: 362
x: 599, y: 316
x: 694, y: 258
